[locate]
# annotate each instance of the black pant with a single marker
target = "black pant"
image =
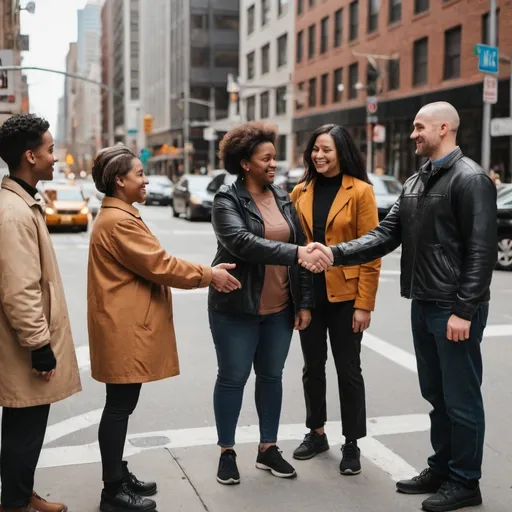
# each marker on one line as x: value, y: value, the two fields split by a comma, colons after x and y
x: 346, y: 350
x: 23, y: 433
x: 121, y: 402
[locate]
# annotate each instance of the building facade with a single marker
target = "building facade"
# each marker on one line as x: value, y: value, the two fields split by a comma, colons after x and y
x: 71, y: 118
x: 405, y: 53
x: 107, y: 100
x: 267, y: 49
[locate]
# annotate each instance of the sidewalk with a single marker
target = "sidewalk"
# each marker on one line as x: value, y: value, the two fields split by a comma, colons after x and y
x: 186, y: 480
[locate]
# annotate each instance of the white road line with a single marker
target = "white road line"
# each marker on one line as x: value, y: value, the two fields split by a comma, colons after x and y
x: 72, y: 425
x: 492, y: 331
x: 372, y: 449
x: 393, y: 353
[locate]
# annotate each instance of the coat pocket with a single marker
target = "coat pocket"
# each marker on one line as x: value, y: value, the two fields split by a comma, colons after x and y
x: 54, y: 320
x: 351, y: 272
x: 147, y: 316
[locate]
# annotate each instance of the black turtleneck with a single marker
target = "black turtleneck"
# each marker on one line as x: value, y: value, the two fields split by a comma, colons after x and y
x: 22, y: 183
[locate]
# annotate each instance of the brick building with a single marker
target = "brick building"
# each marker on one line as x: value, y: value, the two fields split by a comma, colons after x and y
x: 423, y: 51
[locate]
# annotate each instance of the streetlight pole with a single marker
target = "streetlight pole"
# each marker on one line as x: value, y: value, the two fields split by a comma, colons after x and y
x: 486, y: 113
x: 211, y: 142
x: 186, y: 92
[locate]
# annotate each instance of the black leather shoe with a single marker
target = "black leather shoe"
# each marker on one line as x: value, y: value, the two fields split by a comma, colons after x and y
x: 452, y: 496
x: 125, y: 501
x: 426, y: 482
x: 313, y: 444
x: 138, y: 487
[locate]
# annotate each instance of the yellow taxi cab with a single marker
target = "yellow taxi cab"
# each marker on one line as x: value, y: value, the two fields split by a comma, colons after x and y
x: 66, y: 206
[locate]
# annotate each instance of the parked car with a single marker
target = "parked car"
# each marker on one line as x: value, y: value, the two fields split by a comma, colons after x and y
x: 292, y: 177
x: 387, y: 189
x: 92, y: 196
x: 192, y: 197
x: 505, y: 234
x: 66, y: 206
x: 159, y: 190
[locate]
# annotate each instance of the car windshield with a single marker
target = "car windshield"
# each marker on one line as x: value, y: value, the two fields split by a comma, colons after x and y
x: 198, y: 183
x: 164, y: 181
x: 386, y: 186
x: 67, y: 194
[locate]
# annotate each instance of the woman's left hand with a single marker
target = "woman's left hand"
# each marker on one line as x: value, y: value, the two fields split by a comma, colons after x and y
x: 302, y: 319
x: 361, y: 320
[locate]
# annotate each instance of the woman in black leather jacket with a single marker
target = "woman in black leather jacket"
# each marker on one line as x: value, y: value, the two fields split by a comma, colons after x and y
x: 258, y: 229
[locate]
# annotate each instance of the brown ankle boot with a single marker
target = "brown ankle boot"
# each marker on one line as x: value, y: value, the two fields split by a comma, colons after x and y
x: 19, y: 509
x: 38, y: 504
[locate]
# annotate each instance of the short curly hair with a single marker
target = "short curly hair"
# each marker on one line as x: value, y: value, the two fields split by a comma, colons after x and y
x: 110, y: 163
x: 20, y: 133
x: 241, y: 142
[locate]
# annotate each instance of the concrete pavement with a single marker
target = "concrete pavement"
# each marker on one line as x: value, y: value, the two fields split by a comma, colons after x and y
x: 172, y: 433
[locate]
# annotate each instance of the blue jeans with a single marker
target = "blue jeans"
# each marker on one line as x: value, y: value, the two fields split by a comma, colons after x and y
x: 242, y: 341
x: 450, y: 376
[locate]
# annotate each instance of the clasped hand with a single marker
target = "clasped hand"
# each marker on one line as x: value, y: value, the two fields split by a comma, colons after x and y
x: 316, y: 257
x: 222, y: 280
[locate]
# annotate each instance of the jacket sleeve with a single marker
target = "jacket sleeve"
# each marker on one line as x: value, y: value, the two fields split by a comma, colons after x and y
x: 366, y: 220
x: 21, y: 295
x: 232, y: 233
x: 141, y: 253
x: 476, y: 211
x: 382, y: 240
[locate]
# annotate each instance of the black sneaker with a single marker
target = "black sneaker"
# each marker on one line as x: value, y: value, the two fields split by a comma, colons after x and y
x: 351, y: 461
x: 272, y: 460
x: 313, y: 444
x: 425, y: 483
x: 138, y: 487
x: 227, y: 473
x: 452, y: 496
x: 125, y: 501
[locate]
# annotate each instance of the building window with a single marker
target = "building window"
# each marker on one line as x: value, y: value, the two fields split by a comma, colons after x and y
x: 250, y: 19
x: 486, y: 18
x: 354, y: 20
x: 353, y: 78
x: 338, y: 28
x: 282, y: 50
x: 312, y: 92
x: 373, y: 15
x: 324, y: 84
x: 337, y: 81
x: 251, y: 108
x: 264, y: 105
x: 281, y: 100
x: 226, y: 22
x: 265, y: 59
x: 299, y: 102
x: 282, y: 7
x: 199, y: 21
x: 452, y: 39
x: 420, y: 6
x: 300, y: 46
x: 300, y: 7
x: 200, y: 57
x: 250, y: 66
x: 420, y: 65
x: 393, y: 75
x: 324, y: 34
x: 226, y: 59
x: 311, y: 41
x: 281, y: 148
x: 395, y: 11
x: 265, y: 12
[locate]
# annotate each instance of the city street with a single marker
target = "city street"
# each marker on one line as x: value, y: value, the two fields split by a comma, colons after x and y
x: 172, y: 433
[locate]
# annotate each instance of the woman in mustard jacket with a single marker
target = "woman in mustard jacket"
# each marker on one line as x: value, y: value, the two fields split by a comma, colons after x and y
x: 336, y: 203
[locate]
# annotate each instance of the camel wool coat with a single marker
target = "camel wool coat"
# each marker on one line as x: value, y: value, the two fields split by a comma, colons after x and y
x: 33, y: 310
x: 129, y: 302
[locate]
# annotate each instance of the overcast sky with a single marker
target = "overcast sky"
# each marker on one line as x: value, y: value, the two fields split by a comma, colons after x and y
x: 51, y: 29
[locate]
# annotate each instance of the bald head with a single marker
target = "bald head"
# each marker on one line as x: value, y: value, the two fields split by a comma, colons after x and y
x: 441, y: 112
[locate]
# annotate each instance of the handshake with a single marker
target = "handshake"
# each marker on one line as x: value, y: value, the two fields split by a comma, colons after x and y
x: 315, y: 257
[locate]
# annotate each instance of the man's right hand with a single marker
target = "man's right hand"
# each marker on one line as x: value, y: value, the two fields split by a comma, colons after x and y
x: 315, y: 257
x: 222, y: 280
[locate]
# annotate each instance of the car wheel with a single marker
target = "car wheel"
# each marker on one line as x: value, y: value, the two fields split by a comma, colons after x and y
x: 188, y: 213
x: 175, y: 214
x: 504, y: 253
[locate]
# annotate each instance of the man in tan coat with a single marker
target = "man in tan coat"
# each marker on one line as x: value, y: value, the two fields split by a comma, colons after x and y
x: 37, y: 357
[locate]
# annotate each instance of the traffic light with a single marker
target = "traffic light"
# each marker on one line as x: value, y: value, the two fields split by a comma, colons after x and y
x: 372, y: 80
x: 148, y: 123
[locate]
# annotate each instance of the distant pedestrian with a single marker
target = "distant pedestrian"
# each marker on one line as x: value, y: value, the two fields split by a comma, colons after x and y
x: 258, y: 229
x: 129, y: 310
x: 38, y: 364
x: 336, y: 203
x: 445, y: 220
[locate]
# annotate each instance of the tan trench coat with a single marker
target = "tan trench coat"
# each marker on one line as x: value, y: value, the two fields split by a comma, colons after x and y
x: 33, y: 310
x: 129, y: 303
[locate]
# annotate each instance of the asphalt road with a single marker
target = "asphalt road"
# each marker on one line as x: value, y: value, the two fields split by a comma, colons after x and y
x: 172, y: 433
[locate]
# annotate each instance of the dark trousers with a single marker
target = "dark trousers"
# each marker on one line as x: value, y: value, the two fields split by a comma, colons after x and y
x: 335, y: 317
x: 120, y: 403
x: 23, y: 433
x: 242, y: 341
x: 450, y: 376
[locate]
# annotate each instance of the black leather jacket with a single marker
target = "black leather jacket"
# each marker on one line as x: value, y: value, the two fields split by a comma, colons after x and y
x: 445, y: 220
x: 239, y: 229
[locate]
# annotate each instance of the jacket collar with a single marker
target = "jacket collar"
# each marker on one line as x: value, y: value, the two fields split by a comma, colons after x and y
x: 113, y: 202
x: 445, y: 163
x: 17, y: 189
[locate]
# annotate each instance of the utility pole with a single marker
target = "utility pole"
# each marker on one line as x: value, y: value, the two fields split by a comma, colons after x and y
x: 186, y: 91
x: 211, y: 142
x: 486, y: 114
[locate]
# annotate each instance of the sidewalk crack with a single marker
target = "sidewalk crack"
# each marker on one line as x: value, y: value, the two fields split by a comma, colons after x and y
x: 199, y: 497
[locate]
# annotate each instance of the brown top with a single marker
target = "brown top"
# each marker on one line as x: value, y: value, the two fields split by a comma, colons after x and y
x: 275, y: 293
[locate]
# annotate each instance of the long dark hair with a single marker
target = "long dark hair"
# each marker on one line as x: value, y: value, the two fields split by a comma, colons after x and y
x: 351, y: 160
